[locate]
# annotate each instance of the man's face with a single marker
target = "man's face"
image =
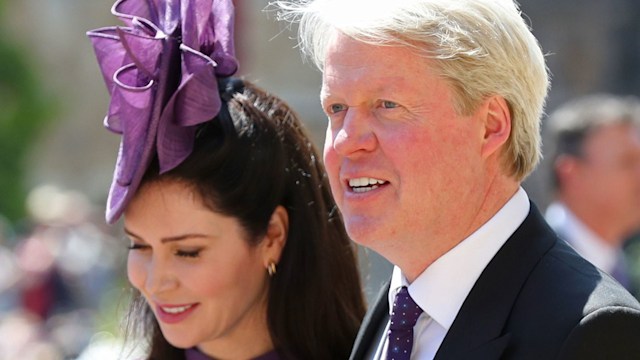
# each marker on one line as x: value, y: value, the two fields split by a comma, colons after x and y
x: 401, y: 161
x: 609, y: 174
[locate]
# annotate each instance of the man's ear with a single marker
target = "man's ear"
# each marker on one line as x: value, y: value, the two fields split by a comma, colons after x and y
x: 565, y: 168
x: 497, y: 124
x: 276, y: 237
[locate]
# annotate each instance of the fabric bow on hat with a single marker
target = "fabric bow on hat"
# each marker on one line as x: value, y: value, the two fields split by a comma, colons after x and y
x: 161, y: 71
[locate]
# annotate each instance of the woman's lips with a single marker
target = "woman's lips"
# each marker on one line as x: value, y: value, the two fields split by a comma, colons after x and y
x: 172, y: 314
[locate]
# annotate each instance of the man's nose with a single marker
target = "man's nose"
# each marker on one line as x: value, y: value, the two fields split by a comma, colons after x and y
x: 356, y: 134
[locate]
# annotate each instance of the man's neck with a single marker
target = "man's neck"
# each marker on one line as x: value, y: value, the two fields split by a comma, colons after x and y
x: 415, y: 259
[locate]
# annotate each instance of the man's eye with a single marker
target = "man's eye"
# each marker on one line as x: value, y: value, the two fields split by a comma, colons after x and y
x: 389, y: 104
x: 335, y: 108
x: 188, y: 254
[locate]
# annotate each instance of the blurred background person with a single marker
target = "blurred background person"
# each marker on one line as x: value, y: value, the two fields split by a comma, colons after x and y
x: 595, y: 146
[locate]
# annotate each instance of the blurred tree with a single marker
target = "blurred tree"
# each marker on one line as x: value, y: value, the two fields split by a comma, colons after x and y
x: 24, y: 110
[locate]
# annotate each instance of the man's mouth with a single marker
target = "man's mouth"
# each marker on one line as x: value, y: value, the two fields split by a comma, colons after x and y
x: 364, y: 184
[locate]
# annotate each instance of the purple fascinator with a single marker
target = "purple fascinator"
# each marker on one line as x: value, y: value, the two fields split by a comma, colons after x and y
x: 161, y: 70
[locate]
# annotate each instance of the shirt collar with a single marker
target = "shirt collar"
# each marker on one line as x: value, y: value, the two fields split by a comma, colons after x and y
x: 584, y: 240
x: 443, y: 286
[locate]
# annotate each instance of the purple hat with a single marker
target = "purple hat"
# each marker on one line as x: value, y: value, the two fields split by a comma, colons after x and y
x: 161, y: 71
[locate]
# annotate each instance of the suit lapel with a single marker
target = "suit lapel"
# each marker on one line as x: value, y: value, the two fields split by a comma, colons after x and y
x: 477, y: 331
x: 375, y: 317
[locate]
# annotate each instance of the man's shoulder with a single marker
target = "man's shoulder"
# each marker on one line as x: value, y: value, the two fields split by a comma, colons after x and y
x: 558, y: 275
x: 565, y: 300
x: 566, y: 280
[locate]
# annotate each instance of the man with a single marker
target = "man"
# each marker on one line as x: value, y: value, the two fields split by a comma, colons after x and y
x: 596, y: 175
x: 434, y: 109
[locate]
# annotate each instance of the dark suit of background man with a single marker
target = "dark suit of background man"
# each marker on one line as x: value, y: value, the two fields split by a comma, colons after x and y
x: 434, y: 109
x: 595, y: 146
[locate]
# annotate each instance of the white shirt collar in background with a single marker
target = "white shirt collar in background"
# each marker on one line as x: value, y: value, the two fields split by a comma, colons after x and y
x: 586, y: 242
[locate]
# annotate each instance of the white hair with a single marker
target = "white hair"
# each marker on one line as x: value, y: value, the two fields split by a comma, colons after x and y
x: 481, y: 47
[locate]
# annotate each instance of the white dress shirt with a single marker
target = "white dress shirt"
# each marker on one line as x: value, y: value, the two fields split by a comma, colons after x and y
x: 586, y: 242
x: 442, y: 287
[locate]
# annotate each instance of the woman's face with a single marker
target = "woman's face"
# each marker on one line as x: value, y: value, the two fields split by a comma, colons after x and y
x: 205, y: 283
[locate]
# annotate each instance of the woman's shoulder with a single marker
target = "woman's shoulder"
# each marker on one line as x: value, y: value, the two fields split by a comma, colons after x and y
x: 195, y: 354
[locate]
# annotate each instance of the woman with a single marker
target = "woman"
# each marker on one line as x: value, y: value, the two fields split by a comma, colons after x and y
x: 237, y: 249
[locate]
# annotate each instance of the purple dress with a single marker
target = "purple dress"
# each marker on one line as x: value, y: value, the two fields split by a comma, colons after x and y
x: 195, y: 354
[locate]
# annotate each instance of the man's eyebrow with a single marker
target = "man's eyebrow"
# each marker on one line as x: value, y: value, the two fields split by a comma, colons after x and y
x: 170, y: 238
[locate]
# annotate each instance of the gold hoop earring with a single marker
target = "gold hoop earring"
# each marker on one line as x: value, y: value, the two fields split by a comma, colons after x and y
x: 271, y: 268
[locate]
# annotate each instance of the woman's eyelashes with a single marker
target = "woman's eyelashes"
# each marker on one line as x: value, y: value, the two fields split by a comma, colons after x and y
x: 135, y: 246
x: 185, y: 253
x: 188, y: 253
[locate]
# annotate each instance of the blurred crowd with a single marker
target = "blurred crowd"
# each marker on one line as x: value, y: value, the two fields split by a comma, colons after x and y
x: 61, y: 281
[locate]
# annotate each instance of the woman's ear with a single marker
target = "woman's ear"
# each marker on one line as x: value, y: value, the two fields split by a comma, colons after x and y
x: 276, y: 236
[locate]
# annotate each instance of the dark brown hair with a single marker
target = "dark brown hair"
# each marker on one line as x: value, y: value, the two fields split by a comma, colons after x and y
x: 254, y: 156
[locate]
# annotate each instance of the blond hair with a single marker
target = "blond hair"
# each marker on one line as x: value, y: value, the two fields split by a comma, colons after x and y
x: 481, y: 47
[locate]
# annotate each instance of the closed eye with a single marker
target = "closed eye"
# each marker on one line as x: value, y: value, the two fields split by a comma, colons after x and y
x: 135, y: 246
x: 188, y: 253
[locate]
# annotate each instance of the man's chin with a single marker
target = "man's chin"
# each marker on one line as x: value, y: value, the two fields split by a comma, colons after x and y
x: 364, y: 234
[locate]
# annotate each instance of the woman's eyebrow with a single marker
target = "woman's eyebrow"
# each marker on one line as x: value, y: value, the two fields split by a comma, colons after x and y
x: 170, y: 238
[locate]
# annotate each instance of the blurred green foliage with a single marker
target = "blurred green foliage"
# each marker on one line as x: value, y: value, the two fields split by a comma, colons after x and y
x: 24, y: 110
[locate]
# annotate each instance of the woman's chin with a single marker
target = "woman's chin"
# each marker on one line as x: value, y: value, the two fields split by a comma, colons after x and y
x: 183, y: 340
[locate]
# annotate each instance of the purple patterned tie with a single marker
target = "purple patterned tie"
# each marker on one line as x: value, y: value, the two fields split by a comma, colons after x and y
x: 403, y: 318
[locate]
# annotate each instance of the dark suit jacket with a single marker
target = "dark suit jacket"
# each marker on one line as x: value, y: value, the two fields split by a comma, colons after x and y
x: 536, y: 299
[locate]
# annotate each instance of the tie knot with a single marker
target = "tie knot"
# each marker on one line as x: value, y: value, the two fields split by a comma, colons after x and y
x: 405, y: 311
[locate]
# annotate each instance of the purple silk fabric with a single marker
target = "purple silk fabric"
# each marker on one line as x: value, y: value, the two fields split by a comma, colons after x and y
x: 195, y: 354
x: 161, y: 71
